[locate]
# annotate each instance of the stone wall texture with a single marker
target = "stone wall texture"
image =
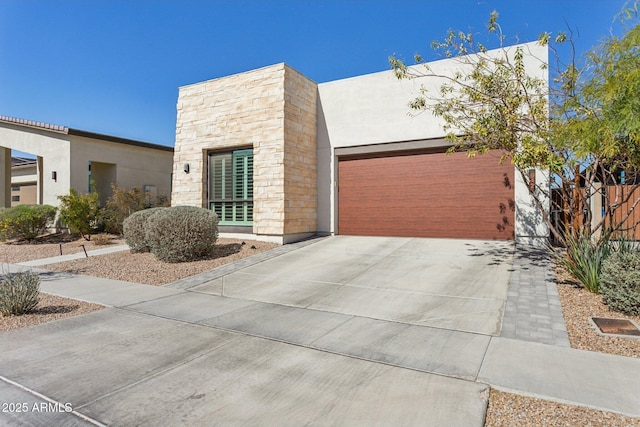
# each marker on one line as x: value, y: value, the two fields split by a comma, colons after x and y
x: 271, y: 110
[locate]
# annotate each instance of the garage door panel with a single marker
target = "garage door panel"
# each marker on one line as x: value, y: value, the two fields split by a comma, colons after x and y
x: 426, y: 195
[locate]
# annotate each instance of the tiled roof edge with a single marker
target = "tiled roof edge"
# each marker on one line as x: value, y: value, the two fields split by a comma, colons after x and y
x: 83, y: 133
x: 34, y: 124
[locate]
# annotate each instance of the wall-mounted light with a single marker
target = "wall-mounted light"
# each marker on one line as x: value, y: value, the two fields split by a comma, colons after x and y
x: 185, y: 168
x: 54, y: 176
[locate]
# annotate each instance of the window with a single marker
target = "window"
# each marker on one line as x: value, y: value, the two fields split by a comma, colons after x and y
x: 15, y: 188
x: 15, y: 198
x: 231, y: 186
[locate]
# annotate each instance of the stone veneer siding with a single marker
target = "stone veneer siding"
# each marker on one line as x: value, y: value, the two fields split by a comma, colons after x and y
x: 272, y: 110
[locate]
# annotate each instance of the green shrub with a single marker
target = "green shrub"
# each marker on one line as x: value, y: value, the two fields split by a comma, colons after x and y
x: 584, y: 260
x: 134, y: 232
x: 620, y: 282
x: 181, y: 233
x: 25, y: 222
x: 80, y: 212
x: 123, y: 203
x: 18, y: 293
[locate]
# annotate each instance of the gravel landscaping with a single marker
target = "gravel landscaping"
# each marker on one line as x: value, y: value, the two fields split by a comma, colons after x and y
x: 505, y: 409
x: 146, y: 269
x: 509, y: 410
x: 50, y: 307
x: 578, y: 305
x: 50, y: 246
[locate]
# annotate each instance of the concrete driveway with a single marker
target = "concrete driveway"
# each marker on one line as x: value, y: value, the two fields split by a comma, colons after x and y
x: 444, y: 283
x: 344, y: 331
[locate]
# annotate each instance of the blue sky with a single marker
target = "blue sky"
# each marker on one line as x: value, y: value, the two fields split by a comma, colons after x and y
x: 114, y: 66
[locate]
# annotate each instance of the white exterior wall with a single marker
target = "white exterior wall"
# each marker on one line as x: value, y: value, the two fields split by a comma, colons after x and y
x: 54, y: 148
x: 373, y: 109
x: 69, y: 155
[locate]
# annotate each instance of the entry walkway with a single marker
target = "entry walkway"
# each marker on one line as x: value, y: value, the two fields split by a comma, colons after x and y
x: 74, y: 256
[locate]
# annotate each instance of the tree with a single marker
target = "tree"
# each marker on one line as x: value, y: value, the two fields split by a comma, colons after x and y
x: 581, y: 126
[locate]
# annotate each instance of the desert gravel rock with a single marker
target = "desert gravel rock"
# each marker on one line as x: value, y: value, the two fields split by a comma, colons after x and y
x: 578, y: 305
x: 509, y: 410
x: 144, y: 268
x: 50, y: 307
x: 50, y: 247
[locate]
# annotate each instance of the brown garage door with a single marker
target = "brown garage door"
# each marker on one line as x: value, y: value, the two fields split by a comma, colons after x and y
x: 426, y: 195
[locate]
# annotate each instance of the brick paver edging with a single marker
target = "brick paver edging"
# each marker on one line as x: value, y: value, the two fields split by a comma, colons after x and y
x: 533, y: 311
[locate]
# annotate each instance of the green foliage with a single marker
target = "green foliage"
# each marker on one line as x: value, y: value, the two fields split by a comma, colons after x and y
x: 18, y: 293
x: 80, y: 212
x: 25, y: 222
x: 580, y: 123
x: 620, y: 282
x: 181, y: 233
x: 584, y: 260
x: 123, y: 203
x: 134, y: 229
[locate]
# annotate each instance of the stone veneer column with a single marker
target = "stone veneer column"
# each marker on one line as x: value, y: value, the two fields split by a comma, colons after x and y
x: 272, y: 110
x: 300, y: 165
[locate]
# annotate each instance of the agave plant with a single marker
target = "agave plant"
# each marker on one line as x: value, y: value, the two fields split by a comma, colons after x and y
x: 584, y: 259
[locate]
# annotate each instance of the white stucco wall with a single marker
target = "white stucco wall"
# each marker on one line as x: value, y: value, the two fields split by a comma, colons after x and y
x: 69, y: 156
x: 53, y: 147
x: 372, y: 110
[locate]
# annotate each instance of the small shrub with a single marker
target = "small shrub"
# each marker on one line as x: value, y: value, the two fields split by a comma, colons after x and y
x: 123, y: 203
x: 134, y: 232
x: 584, y: 259
x: 102, y: 239
x: 182, y: 233
x: 79, y: 212
x: 18, y: 293
x: 25, y: 222
x: 620, y: 282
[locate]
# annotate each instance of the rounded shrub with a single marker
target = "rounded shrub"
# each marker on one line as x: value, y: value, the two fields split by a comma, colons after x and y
x: 181, y: 233
x: 620, y: 282
x: 18, y: 293
x: 134, y: 232
x: 25, y: 222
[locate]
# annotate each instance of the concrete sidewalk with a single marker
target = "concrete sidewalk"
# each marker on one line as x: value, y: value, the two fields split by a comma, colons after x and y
x: 71, y: 257
x: 170, y: 356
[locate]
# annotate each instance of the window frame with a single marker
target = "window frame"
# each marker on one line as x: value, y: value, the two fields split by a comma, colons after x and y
x: 234, y: 210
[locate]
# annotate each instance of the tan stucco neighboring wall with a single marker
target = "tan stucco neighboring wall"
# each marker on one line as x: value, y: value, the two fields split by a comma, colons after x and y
x: 133, y: 166
x: 272, y: 110
x: 26, y: 179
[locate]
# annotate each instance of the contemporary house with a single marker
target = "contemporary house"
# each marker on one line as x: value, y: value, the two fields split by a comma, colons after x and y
x: 280, y: 157
x: 70, y: 158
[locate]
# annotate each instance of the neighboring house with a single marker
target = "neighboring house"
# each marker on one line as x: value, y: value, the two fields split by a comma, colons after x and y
x: 281, y: 157
x: 24, y: 181
x: 69, y: 158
